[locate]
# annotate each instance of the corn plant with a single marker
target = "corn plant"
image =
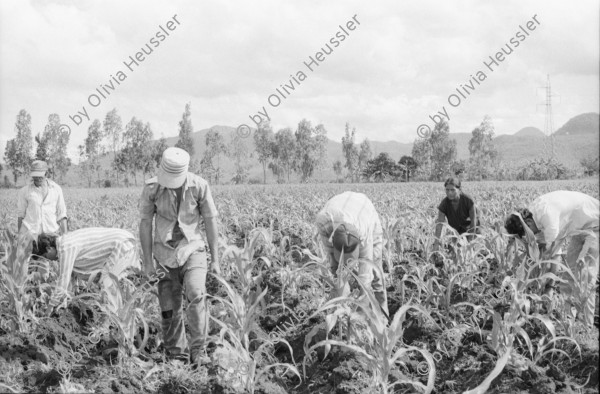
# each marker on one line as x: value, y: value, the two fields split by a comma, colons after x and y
x: 241, y: 338
x: 240, y: 335
x: 126, y: 316
x: 509, y: 328
x: 18, y: 287
x: 379, y: 344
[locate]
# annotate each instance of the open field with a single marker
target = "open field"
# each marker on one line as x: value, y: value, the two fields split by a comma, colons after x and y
x: 277, y: 323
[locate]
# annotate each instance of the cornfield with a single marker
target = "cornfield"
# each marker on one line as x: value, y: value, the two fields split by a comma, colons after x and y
x: 469, y: 318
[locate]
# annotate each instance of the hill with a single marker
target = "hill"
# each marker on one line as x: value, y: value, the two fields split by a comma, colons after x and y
x: 581, y: 124
x: 529, y: 132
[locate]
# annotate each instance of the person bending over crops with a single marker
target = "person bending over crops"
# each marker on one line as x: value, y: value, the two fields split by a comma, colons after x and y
x: 179, y: 201
x: 350, y: 228
x: 88, y: 250
x: 458, y: 208
x: 40, y: 204
x: 555, y: 218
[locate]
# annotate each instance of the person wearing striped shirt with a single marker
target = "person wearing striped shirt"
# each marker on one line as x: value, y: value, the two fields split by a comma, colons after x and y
x: 350, y: 228
x: 40, y: 204
x: 88, y: 250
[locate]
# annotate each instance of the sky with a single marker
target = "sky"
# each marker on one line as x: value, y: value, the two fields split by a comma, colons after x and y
x: 399, y: 64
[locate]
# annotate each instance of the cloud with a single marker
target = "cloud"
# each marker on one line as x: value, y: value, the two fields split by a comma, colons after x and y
x: 394, y: 70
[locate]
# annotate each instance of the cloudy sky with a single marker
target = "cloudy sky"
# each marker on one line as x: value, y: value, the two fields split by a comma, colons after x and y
x: 397, y: 67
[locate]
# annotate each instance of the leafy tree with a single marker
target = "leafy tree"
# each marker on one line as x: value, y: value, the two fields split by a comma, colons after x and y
x: 284, y: 150
x: 56, y: 139
x: 185, y: 140
x: 436, y: 153
x: 350, y: 152
x: 482, y: 151
x: 10, y: 157
x: 365, y: 155
x: 458, y: 168
x: 157, y: 150
x: 337, y: 168
x: 310, y: 148
x: 543, y: 168
x: 93, y: 147
x: 263, y: 142
x: 380, y: 169
x: 277, y: 171
x: 407, y: 165
x: 443, y: 150
x: 138, y: 146
x: 215, y: 147
x: 17, y: 154
x: 238, y: 151
x: 112, y: 130
x: 121, y: 163
x: 421, y: 153
x: 590, y: 165
x: 41, y: 152
x: 113, y: 127
x: 86, y: 167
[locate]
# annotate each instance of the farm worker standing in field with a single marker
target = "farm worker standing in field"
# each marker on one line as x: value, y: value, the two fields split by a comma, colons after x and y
x: 40, y: 204
x: 87, y: 250
x: 350, y: 228
x: 179, y: 201
x: 458, y: 208
x: 555, y: 218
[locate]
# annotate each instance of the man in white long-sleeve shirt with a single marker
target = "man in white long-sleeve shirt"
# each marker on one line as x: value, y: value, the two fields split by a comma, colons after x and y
x: 350, y: 228
x: 87, y: 250
x: 40, y: 204
x: 560, y: 216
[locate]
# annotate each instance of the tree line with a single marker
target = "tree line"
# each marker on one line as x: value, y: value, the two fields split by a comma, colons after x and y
x: 132, y: 151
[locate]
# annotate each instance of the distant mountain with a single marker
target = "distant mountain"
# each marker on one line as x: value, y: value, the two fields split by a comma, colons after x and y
x: 529, y: 132
x: 581, y: 124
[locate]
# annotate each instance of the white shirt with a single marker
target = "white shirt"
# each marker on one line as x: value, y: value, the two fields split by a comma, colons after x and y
x: 558, y: 214
x: 41, y: 207
x: 350, y: 208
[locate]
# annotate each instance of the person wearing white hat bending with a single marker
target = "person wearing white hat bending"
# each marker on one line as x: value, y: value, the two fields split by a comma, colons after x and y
x: 40, y: 204
x: 179, y: 201
x: 555, y: 218
x: 350, y: 228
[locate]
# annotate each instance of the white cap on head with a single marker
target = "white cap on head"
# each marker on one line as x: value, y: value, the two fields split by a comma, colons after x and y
x: 173, y: 168
x: 38, y: 168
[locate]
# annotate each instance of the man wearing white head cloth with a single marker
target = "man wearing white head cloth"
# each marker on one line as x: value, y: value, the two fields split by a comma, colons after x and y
x: 179, y: 201
x: 555, y: 218
x: 41, y: 205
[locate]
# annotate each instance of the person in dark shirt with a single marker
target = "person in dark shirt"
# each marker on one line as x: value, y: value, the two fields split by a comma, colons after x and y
x: 458, y: 208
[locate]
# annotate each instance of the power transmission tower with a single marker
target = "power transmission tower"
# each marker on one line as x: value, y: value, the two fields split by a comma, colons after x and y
x: 549, y: 145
